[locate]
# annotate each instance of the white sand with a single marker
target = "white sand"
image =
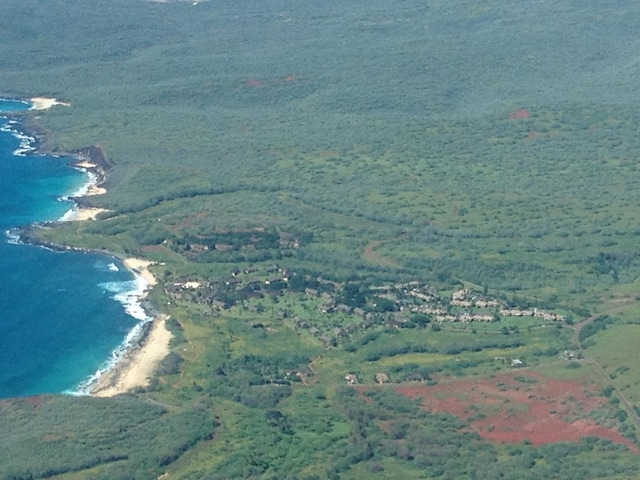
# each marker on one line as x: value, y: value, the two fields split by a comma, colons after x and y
x: 141, y: 267
x: 81, y: 214
x: 85, y: 164
x: 44, y: 103
x: 88, y: 213
x: 95, y: 190
x: 137, y: 367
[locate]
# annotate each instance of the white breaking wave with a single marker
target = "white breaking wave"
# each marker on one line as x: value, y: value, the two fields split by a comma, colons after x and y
x: 105, y: 266
x: 92, y: 180
x: 129, y: 294
x: 13, y: 237
x: 82, y: 190
x: 68, y: 215
x: 130, y: 341
x: 14, y: 101
x: 26, y: 141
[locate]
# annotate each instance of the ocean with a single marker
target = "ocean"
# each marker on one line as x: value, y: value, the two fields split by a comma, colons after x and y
x: 64, y: 316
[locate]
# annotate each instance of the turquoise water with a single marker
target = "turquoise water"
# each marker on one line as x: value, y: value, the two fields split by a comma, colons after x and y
x: 63, y: 315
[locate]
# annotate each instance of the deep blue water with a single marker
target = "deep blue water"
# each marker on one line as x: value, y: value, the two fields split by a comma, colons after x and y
x: 62, y: 314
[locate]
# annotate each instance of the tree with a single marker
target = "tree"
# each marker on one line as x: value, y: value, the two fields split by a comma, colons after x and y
x: 421, y: 319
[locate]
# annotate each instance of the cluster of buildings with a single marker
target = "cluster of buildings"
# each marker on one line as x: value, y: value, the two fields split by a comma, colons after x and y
x: 468, y: 306
x: 402, y: 302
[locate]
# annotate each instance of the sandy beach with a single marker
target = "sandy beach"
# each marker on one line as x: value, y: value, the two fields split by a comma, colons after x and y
x: 93, y: 189
x: 85, y: 164
x: 81, y: 214
x: 88, y: 213
x: 141, y: 267
x: 44, y: 103
x: 137, y: 366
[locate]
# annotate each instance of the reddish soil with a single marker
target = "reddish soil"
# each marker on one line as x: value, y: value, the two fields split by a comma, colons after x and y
x: 504, y: 409
x: 519, y: 114
x: 252, y: 82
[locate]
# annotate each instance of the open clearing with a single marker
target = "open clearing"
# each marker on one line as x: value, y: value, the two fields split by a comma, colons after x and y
x: 518, y: 406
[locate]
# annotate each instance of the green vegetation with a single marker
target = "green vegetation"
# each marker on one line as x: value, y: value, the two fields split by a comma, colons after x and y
x: 363, y: 192
x: 614, y: 349
x: 48, y: 436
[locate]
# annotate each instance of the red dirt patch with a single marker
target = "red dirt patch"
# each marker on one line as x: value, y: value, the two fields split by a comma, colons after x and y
x: 519, y: 114
x: 518, y: 406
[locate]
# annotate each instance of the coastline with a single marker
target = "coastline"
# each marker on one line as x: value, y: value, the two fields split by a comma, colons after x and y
x: 82, y: 209
x: 136, y: 367
x: 141, y: 267
x: 140, y: 358
x: 45, y: 103
x: 135, y: 360
x: 78, y: 214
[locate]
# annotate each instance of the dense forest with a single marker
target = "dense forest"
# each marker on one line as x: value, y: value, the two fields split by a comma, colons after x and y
x: 332, y: 175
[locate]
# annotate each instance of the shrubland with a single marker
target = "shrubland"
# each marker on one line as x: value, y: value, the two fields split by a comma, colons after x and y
x: 356, y: 147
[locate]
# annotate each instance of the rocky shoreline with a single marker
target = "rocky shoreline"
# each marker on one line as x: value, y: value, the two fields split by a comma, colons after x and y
x: 92, y: 160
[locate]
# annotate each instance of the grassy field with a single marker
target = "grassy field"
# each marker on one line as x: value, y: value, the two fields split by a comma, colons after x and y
x: 615, y: 349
